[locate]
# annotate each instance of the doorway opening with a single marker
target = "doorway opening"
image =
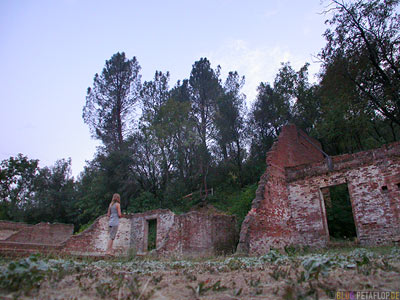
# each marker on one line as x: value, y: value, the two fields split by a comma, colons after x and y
x: 151, y: 234
x: 339, y: 213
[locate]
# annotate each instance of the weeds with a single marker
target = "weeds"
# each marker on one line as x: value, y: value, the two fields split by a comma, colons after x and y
x: 315, y: 265
x: 289, y: 275
x: 24, y: 274
x: 204, y: 286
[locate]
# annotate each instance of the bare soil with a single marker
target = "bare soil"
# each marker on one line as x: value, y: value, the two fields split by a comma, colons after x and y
x: 273, y: 276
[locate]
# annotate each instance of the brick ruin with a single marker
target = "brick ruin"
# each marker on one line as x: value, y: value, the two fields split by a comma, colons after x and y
x: 197, y: 233
x: 289, y: 209
x: 20, y: 238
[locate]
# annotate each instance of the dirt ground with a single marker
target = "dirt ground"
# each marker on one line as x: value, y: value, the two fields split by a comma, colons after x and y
x: 273, y: 276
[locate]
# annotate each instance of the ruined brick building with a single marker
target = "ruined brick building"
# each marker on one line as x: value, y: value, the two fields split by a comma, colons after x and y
x: 290, y: 208
x: 196, y: 233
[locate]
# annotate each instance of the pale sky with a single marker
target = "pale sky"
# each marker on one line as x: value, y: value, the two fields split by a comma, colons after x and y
x: 50, y: 51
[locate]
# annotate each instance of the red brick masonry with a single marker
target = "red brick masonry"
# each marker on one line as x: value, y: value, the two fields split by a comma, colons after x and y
x: 192, y: 234
x: 289, y: 208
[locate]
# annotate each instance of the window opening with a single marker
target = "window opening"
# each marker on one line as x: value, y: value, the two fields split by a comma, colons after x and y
x: 152, y: 234
x: 339, y: 212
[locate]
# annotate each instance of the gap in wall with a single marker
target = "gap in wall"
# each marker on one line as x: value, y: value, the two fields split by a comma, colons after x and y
x: 339, y: 213
x: 152, y: 234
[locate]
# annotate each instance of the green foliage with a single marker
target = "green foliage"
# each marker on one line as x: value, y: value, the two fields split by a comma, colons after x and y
x: 17, y: 177
x: 362, y: 38
x: 234, y: 200
x: 145, y: 201
x: 111, y: 100
x: 272, y: 256
x: 198, y: 134
x: 316, y: 265
x: 298, y: 276
x: 152, y: 235
x: 24, y: 274
x: 54, y: 195
x: 104, y: 288
x: 84, y: 227
x: 205, y: 286
x: 32, y: 194
x: 241, y: 203
x: 339, y: 213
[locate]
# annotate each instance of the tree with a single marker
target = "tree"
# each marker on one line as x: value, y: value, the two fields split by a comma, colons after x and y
x: 32, y: 194
x: 154, y: 96
x: 229, y: 121
x: 54, y: 197
x: 110, y: 102
x: 205, y: 89
x: 271, y: 110
x: 17, y: 177
x: 180, y: 123
x: 346, y: 123
x: 306, y: 107
x: 365, y: 40
x: 105, y: 175
x: 166, y: 141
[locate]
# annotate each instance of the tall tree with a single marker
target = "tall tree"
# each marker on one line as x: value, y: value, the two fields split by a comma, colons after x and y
x: 110, y: 102
x: 265, y: 120
x: 154, y: 96
x: 271, y: 110
x: 181, y: 122
x: 229, y: 121
x: 205, y: 89
x: 364, y: 38
x: 347, y: 123
x: 304, y: 98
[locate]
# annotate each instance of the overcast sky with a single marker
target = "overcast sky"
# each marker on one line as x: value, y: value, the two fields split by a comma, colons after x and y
x: 50, y: 51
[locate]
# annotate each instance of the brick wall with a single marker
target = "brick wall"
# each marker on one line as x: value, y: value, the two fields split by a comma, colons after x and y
x: 139, y: 233
x: 42, y: 233
x: 289, y: 205
x: 93, y: 241
x: 7, y: 228
x: 268, y: 223
x: 201, y: 234
x: 191, y: 234
x: 373, y: 180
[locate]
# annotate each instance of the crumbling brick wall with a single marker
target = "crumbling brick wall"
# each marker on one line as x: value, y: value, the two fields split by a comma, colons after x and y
x: 26, y: 239
x: 200, y: 234
x: 289, y: 205
x: 268, y: 223
x: 139, y: 233
x: 373, y: 180
x: 42, y: 233
x: 7, y: 228
x: 93, y: 241
x: 192, y: 234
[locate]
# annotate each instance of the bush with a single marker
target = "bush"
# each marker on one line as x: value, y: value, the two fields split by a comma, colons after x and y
x: 241, y: 202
